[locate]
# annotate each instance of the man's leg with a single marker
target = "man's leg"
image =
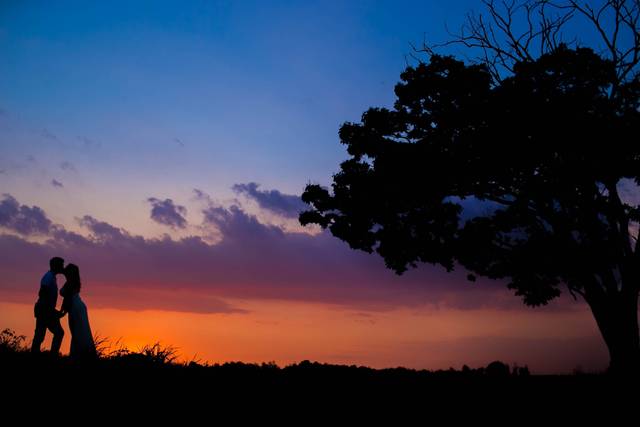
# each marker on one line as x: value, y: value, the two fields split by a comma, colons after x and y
x: 58, y: 333
x: 38, y: 335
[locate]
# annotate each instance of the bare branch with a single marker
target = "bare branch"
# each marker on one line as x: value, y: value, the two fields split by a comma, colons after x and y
x: 511, y: 29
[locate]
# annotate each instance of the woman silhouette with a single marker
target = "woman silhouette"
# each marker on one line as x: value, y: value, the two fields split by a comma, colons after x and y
x: 82, y: 345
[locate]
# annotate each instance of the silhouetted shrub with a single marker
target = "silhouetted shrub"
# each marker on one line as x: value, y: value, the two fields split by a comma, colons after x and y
x: 10, y: 342
x: 497, y: 369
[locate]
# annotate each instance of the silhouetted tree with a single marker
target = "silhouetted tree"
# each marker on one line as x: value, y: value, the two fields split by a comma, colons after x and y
x: 542, y: 143
x: 497, y: 369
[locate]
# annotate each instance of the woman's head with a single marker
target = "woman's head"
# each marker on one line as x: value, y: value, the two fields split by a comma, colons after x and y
x: 72, y: 273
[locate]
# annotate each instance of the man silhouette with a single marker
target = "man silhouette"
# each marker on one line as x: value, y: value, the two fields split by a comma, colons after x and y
x: 47, y: 317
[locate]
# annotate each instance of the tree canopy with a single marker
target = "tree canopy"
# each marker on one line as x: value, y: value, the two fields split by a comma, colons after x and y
x: 546, y: 147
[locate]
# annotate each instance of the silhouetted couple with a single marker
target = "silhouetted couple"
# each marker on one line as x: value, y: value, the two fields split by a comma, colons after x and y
x: 48, y: 317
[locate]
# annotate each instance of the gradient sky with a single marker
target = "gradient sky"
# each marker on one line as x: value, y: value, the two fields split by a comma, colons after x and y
x: 162, y: 145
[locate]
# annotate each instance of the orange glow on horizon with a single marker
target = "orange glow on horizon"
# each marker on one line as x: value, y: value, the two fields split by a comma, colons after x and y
x: 289, y: 332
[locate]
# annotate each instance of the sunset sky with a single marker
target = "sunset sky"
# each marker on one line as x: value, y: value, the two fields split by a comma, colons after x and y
x: 162, y: 147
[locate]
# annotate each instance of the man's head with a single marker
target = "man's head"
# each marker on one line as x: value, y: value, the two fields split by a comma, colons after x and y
x: 56, y: 265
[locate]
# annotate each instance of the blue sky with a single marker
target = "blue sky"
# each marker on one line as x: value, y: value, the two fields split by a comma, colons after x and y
x: 200, y: 94
x: 153, y: 99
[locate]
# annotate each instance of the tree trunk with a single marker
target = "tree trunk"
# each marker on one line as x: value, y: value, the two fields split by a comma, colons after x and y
x: 617, y: 319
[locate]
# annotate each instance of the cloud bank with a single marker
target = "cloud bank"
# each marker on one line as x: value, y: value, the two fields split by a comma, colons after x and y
x: 252, y: 261
x: 22, y: 219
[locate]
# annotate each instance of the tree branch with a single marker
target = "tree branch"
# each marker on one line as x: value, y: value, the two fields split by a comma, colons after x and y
x: 501, y: 46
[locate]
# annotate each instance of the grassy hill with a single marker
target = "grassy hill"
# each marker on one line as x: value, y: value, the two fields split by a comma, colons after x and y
x: 153, y: 376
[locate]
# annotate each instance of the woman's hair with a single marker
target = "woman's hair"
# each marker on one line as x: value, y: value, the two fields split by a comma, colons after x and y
x: 72, y: 273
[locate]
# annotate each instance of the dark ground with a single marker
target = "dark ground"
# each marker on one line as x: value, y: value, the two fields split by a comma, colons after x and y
x: 149, y: 383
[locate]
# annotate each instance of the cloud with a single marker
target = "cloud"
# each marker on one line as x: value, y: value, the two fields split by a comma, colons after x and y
x: 56, y: 183
x: 88, y: 142
x: 235, y: 225
x: 23, y: 219
x: 167, y: 213
x: 286, y: 205
x: 24, y: 262
x: 48, y: 135
x: 67, y: 166
x: 202, y: 196
x: 251, y: 261
x: 176, y: 299
x: 102, y: 231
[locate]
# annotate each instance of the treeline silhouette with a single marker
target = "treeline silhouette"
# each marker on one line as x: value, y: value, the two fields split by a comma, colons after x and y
x: 14, y: 352
x: 153, y: 378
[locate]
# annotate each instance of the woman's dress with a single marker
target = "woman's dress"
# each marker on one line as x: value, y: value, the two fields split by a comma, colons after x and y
x: 82, y: 345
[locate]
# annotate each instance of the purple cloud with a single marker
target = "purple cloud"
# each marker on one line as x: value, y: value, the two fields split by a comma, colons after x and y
x: 48, y: 135
x: 23, y: 219
x: 234, y: 224
x: 200, y: 195
x: 203, y: 197
x: 56, y: 183
x: 251, y: 261
x: 287, y: 205
x: 103, y: 231
x: 88, y: 142
x: 167, y: 213
x: 67, y: 166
